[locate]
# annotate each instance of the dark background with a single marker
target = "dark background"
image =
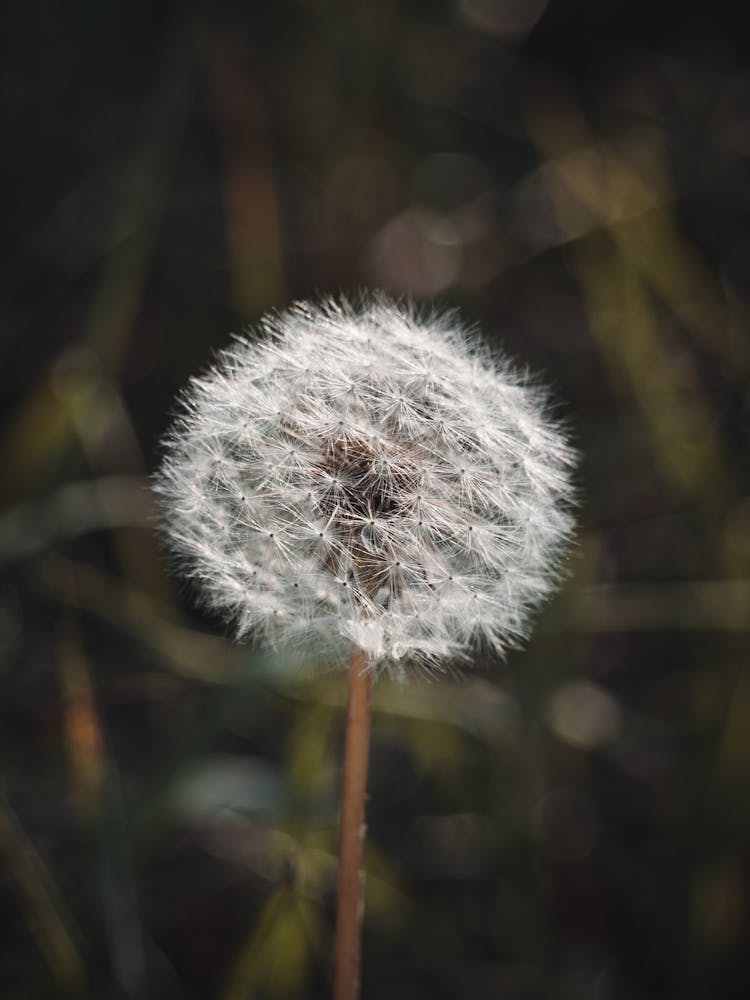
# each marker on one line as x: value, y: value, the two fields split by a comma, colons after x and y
x: 570, y: 824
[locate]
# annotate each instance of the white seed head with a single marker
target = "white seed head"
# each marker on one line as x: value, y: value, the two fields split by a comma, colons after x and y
x: 364, y: 476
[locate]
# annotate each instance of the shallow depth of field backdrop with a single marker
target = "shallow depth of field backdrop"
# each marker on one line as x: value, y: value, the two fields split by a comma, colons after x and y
x: 570, y: 824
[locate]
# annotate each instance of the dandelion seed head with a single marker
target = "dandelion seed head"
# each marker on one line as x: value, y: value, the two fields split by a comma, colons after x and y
x: 366, y: 476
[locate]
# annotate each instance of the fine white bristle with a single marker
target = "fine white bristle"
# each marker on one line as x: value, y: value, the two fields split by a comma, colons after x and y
x: 364, y: 476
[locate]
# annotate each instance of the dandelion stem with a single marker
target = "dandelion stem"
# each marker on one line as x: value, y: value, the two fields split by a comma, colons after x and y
x: 350, y: 888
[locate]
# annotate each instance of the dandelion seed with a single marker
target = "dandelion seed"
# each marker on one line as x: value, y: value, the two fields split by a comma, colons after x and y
x: 405, y: 449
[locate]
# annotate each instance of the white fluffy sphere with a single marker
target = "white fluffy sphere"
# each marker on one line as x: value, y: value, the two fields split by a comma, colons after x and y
x: 364, y: 476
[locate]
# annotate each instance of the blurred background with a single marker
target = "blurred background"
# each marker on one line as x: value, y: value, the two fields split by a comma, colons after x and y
x: 569, y: 824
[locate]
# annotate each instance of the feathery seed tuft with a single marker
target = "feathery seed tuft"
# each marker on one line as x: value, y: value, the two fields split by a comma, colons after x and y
x: 365, y: 476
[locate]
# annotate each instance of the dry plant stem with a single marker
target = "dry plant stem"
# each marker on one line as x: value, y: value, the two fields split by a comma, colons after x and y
x: 350, y: 888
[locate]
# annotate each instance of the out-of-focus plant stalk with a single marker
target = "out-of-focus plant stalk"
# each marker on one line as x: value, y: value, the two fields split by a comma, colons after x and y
x: 46, y: 913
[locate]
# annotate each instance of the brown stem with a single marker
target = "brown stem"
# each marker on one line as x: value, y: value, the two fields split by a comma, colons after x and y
x: 351, y: 876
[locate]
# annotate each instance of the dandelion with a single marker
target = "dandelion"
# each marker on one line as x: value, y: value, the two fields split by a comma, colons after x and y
x: 364, y: 478
x: 376, y: 486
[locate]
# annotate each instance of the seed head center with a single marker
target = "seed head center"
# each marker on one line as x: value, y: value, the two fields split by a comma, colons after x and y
x: 364, y: 482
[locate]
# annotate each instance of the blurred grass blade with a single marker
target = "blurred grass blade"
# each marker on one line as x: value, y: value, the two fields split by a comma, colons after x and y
x: 275, y: 959
x: 46, y: 914
x: 181, y: 649
x: 251, y: 203
x: 72, y: 510
x: 44, y: 422
x: 83, y: 738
